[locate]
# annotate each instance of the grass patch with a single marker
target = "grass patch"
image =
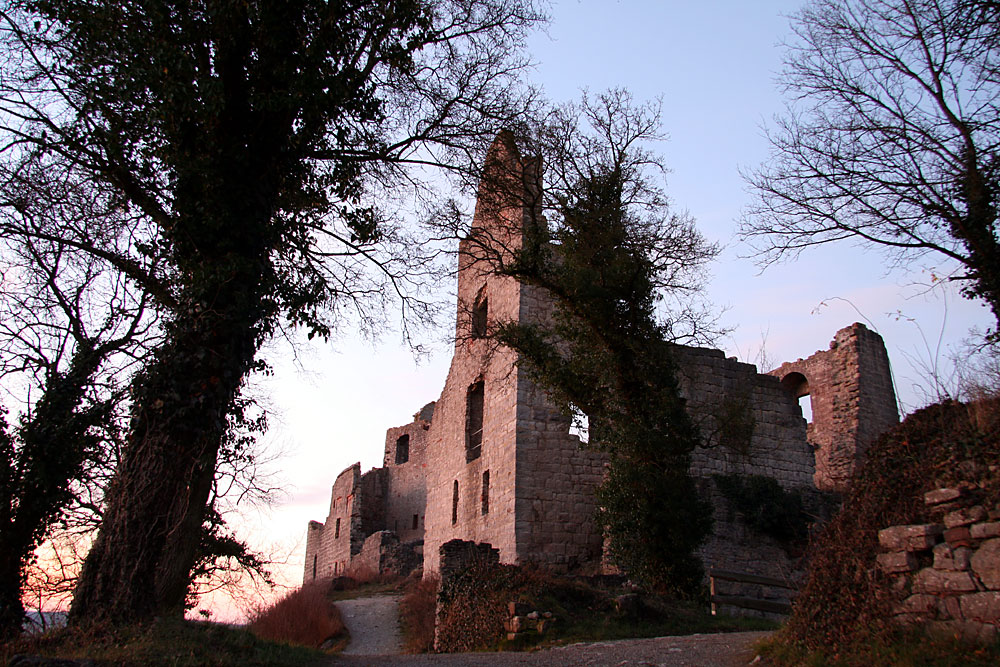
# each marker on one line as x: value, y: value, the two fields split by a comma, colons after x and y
x: 176, y: 643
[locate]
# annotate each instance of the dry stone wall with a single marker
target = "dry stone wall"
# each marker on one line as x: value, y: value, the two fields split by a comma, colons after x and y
x: 946, y: 574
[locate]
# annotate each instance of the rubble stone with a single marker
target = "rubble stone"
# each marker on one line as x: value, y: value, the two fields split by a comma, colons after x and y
x: 909, y: 538
x: 929, y: 580
x: 986, y: 564
x: 938, y: 496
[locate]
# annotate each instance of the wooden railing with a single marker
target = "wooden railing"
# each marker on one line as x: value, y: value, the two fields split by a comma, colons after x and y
x: 748, y: 602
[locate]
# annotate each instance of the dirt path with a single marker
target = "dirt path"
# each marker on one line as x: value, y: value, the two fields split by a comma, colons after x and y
x: 374, y: 625
x: 716, y: 650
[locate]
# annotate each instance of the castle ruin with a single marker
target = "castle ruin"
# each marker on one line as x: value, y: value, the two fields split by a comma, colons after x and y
x: 493, y: 461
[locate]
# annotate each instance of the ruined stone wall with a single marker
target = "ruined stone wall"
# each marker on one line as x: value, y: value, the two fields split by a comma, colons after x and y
x: 850, y: 387
x: 556, y: 477
x: 750, y: 426
x: 328, y: 546
x: 946, y: 575
x: 451, y: 515
x: 406, y: 499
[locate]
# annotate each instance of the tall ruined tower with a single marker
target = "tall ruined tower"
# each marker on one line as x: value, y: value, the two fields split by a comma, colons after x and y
x: 850, y: 387
x: 502, y: 467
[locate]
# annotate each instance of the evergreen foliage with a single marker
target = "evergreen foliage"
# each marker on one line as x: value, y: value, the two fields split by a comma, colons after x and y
x: 607, y: 250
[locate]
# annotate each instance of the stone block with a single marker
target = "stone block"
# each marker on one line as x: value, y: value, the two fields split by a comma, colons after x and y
x: 938, y: 496
x: 983, y: 606
x: 986, y: 564
x: 921, y: 603
x: 897, y: 561
x: 929, y: 580
x: 984, y: 531
x: 970, y: 631
x: 909, y: 538
x: 960, y: 536
x: 947, y: 557
x: 950, y: 607
x: 964, y: 516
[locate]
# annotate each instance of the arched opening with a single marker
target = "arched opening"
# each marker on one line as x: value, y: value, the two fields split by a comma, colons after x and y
x: 797, y: 385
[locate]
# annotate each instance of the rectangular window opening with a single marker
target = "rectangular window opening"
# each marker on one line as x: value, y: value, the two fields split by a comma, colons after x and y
x: 454, y: 503
x: 474, y: 422
x: 403, y: 449
x: 480, y: 315
x: 416, y: 521
x: 336, y: 532
x: 486, y: 492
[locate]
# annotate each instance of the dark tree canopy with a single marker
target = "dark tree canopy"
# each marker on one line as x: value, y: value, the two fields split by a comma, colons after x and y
x: 254, y: 144
x: 891, y: 138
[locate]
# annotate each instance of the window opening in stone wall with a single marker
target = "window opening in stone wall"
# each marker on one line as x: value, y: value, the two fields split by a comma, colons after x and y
x: 797, y: 385
x: 454, y: 503
x: 315, y: 562
x: 336, y: 530
x: 474, y: 422
x: 486, y: 492
x: 416, y: 521
x: 403, y: 449
x: 579, y: 424
x: 480, y: 314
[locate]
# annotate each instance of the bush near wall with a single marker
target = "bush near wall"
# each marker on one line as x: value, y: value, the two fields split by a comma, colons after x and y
x: 306, y: 617
x: 847, y: 602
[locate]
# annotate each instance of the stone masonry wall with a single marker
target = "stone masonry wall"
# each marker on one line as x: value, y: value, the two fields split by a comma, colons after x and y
x: 328, y: 546
x: 946, y: 574
x: 528, y: 488
x: 850, y: 387
x: 750, y: 426
x: 407, y: 493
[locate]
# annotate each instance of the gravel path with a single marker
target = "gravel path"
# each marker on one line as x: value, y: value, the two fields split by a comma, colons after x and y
x: 374, y: 625
x: 716, y: 650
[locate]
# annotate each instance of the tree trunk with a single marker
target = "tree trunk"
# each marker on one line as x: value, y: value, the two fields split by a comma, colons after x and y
x: 11, y: 610
x: 140, y: 564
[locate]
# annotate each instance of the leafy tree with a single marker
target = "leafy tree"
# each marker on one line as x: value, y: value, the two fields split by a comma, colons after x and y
x: 599, y: 239
x: 252, y: 140
x: 892, y: 138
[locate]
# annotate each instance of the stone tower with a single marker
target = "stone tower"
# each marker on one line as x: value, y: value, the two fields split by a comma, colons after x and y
x: 502, y: 466
x: 850, y: 387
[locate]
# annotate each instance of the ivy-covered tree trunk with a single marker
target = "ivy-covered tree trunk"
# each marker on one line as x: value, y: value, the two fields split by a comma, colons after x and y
x: 141, y: 563
x: 38, y: 463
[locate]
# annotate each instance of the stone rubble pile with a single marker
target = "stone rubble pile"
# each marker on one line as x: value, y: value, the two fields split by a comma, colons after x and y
x: 522, y: 620
x: 947, y: 573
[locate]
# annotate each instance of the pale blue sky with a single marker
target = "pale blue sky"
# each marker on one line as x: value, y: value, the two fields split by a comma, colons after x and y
x: 714, y: 64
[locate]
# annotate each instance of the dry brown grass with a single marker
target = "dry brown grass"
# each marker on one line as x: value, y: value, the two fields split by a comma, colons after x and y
x: 416, y: 611
x: 305, y: 616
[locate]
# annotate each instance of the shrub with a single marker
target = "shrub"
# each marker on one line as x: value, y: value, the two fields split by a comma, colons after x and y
x: 416, y: 612
x: 846, y: 601
x: 765, y: 507
x: 305, y: 616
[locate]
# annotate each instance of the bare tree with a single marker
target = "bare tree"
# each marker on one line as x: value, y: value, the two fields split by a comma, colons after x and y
x: 255, y: 140
x: 891, y: 138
